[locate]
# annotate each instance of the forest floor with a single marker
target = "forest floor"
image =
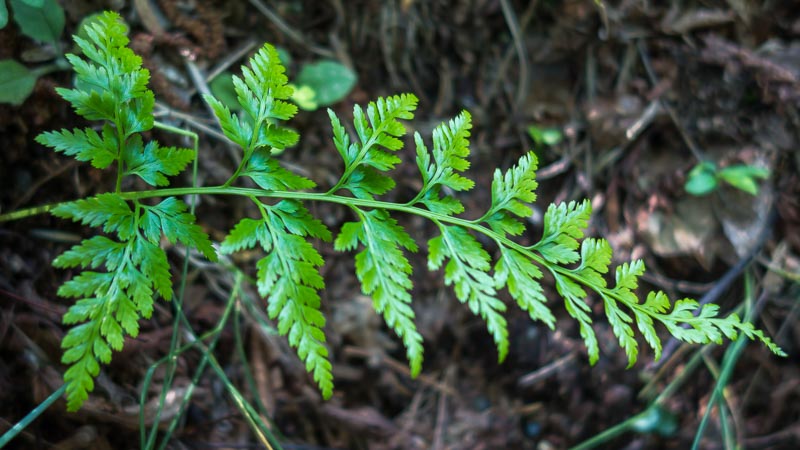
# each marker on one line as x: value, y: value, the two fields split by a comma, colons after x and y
x: 639, y: 92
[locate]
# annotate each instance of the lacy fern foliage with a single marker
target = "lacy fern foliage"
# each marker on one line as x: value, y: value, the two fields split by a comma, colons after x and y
x: 121, y: 273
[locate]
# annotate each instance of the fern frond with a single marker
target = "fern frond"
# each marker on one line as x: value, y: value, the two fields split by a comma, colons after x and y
x: 112, y: 85
x: 109, y: 210
x: 450, y: 150
x: 563, y: 227
x: 378, y: 133
x: 88, y: 145
x: 262, y: 94
x: 120, y: 275
x: 110, y: 303
x: 510, y: 195
x: 178, y: 225
x: 268, y: 174
x: 467, y: 270
x: 384, y: 273
x: 577, y: 308
x: 516, y: 272
x: 153, y: 163
x: 289, y: 278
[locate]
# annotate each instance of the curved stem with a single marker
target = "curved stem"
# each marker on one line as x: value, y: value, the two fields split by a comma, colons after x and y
x: 31, y: 416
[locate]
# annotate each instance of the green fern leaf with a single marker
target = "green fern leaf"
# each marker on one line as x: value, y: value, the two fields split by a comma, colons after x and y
x: 108, y: 210
x: 179, y: 225
x: 238, y: 131
x: 366, y: 183
x: 94, y: 253
x: 467, y: 270
x: 263, y: 93
x: 268, y: 174
x: 595, y: 259
x: 297, y: 220
x: 112, y: 85
x: 153, y: 163
x: 87, y: 145
x: 450, y: 150
x: 627, y: 276
x: 520, y: 275
x: 563, y: 226
x: 245, y: 235
x: 384, y: 273
x: 510, y: 193
x: 378, y: 131
x: 110, y: 303
x: 289, y: 278
x: 574, y: 303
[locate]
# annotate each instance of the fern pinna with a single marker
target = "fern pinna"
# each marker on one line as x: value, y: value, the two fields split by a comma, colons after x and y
x: 125, y: 269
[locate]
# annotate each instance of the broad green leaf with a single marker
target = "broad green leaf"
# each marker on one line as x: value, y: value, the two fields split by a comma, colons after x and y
x: 331, y: 81
x: 702, y: 179
x: 44, y: 22
x: 743, y: 177
x: 222, y: 89
x: 701, y: 184
x: 16, y: 82
x: 305, y: 96
x: 3, y: 15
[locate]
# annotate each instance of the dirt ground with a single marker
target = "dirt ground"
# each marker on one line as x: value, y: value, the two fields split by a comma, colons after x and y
x: 640, y: 90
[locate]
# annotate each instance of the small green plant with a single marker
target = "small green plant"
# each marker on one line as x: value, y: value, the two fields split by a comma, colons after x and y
x: 705, y: 177
x: 41, y: 20
x: 124, y: 270
x: 545, y: 136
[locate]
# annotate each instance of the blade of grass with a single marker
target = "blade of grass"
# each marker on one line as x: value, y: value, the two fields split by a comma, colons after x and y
x: 217, y: 332
x: 31, y: 416
x: 728, y: 362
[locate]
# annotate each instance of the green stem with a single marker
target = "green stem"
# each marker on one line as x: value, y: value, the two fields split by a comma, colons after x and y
x: 609, y: 434
x: 28, y: 212
x: 732, y: 355
x: 31, y: 416
x: 377, y: 204
x: 364, y: 203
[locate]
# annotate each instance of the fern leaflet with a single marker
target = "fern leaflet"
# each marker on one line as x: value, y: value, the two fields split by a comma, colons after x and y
x: 378, y: 133
x: 289, y: 278
x: 384, y: 272
x: 467, y: 270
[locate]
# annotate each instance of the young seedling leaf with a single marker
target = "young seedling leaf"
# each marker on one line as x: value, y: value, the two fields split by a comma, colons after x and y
x: 3, y: 14
x: 331, y: 81
x: 42, y: 20
x: 16, y: 82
